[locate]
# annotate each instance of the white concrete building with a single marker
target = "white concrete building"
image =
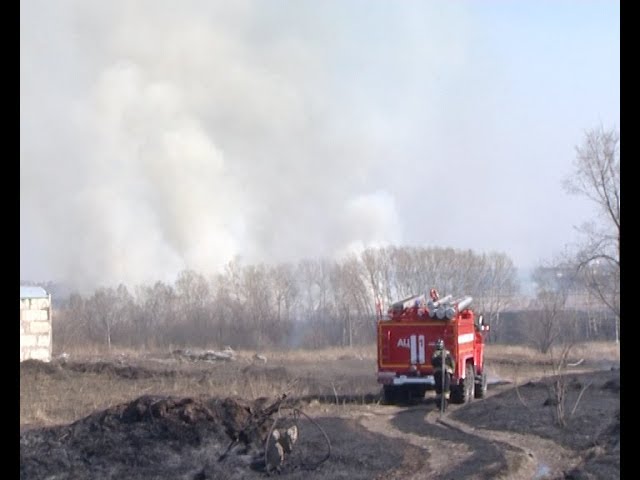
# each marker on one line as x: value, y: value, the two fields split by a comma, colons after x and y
x: 35, y: 324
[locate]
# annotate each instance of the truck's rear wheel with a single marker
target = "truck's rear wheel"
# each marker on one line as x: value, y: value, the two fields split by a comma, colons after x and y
x: 457, y: 394
x: 469, y: 383
x: 481, y: 386
x: 393, y: 394
x: 418, y: 392
x: 389, y: 394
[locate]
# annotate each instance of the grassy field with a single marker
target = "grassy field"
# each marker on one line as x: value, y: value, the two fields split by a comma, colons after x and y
x: 89, y: 380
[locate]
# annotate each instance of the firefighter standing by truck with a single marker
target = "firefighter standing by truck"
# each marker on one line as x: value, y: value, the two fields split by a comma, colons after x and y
x: 442, y: 374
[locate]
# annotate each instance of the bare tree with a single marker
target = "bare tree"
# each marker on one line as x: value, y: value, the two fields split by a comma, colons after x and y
x: 558, y: 386
x: 285, y: 290
x: 109, y: 309
x: 351, y: 299
x: 228, y: 307
x: 195, y: 317
x: 596, y: 176
x: 192, y: 288
x: 553, y: 282
x: 499, y: 285
x: 360, y: 298
x: 316, y: 303
x: 315, y: 300
x: 407, y: 267
x: 157, y: 305
x: 379, y: 272
x: 258, y: 297
x: 73, y: 325
x: 436, y: 265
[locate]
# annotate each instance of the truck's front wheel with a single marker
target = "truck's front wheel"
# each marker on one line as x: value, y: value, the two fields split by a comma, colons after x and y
x: 463, y: 393
x: 481, y: 386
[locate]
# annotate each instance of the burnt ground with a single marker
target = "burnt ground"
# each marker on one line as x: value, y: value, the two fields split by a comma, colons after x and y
x: 344, y: 429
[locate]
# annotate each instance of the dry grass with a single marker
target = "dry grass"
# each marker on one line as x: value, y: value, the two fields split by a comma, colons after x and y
x: 589, y: 351
x: 520, y: 365
x: 367, y: 352
x: 68, y: 396
x: 65, y: 395
x: 594, y: 351
x: 331, y: 353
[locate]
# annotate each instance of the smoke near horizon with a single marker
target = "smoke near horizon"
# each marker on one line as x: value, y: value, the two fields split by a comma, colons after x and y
x: 188, y: 143
x: 158, y: 136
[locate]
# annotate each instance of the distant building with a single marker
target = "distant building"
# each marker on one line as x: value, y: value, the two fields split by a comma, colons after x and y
x: 35, y: 324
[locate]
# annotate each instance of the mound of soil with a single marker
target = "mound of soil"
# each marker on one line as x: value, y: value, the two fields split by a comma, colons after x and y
x: 55, y: 367
x: 31, y: 366
x: 151, y: 437
x: 158, y: 437
x: 197, y: 439
x: 132, y: 372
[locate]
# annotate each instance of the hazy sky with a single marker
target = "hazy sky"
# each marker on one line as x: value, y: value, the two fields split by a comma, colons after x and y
x: 163, y: 135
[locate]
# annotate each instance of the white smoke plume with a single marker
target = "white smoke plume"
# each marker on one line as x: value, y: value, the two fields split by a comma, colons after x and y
x: 169, y: 136
x: 158, y: 135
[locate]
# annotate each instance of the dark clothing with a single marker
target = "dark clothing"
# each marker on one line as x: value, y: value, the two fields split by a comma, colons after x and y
x: 437, y: 377
x: 436, y: 361
x: 450, y: 364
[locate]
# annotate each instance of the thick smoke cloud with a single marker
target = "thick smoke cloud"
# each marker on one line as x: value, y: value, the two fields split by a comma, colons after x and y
x: 162, y: 135
x: 169, y: 138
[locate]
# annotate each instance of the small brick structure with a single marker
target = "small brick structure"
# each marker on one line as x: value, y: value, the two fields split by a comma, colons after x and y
x: 35, y: 324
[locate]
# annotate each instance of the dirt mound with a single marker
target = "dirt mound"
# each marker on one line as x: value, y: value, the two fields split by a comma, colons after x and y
x: 151, y: 437
x: 38, y: 367
x: 163, y: 438
x: 125, y: 371
x: 57, y: 366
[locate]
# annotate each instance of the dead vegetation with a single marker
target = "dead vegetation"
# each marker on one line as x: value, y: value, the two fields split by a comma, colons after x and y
x: 167, y: 436
x: 154, y: 416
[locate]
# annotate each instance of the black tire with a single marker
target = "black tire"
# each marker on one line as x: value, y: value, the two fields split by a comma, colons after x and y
x: 469, y: 383
x: 463, y: 393
x: 396, y: 394
x: 481, y: 386
x: 417, y: 392
x: 389, y: 394
x: 457, y: 393
x: 403, y: 394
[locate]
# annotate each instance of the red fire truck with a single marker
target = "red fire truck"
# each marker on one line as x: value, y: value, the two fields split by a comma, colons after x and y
x: 406, y: 342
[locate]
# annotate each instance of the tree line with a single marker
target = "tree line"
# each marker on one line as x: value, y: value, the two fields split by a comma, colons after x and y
x: 319, y: 303
x: 311, y: 304
x: 593, y: 264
